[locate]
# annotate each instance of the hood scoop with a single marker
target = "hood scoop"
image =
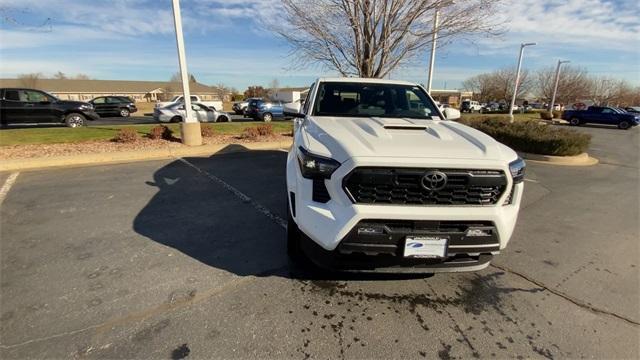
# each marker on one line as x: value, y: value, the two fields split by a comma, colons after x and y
x: 405, y: 127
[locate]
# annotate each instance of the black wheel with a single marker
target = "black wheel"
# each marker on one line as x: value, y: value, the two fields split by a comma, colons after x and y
x: 267, y: 117
x: 574, y: 121
x: 223, y: 119
x: 74, y: 120
x: 124, y: 112
x: 176, y: 119
x: 624, y: 125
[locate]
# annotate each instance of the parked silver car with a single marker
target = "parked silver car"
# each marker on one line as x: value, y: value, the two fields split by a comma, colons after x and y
x: 176, y: 113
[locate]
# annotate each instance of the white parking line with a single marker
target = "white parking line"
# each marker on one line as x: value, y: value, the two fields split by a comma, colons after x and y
x: 531, y: 180
x: 7, y: 185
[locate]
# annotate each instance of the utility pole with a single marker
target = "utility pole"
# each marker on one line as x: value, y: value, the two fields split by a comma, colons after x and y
x: 517, y: 83
x: 189, y: 127
x: 555, y: 87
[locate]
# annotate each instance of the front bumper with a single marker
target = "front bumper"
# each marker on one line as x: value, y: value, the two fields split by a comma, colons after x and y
x: 91, y: 115
x: 327, y: 225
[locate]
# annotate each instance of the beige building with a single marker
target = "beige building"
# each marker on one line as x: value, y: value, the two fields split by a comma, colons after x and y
x: 451, y: 97
x: 84, y: 90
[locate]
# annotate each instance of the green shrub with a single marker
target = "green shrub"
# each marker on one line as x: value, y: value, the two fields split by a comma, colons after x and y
x: 126, y: 135
x: 160, y: 132
x: 533, y: 137
x: 206, y: 130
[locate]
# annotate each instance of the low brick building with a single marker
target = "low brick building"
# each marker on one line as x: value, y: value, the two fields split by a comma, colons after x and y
x: 83, y: 90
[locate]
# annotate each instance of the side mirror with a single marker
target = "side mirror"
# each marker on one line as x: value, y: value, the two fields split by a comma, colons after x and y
x: 451, y: 114
x: 294, y: 114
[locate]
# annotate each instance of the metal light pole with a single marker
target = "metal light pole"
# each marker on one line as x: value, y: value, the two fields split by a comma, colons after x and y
x: 434, y: 39
x: 555, y: 87
x: 190, y: 127
x: 515, y: 87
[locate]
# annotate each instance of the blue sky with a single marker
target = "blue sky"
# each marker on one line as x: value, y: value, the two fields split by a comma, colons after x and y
x: 134, y: 40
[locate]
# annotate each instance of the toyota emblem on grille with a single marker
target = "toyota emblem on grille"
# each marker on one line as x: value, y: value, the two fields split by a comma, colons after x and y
x: 434, y: 180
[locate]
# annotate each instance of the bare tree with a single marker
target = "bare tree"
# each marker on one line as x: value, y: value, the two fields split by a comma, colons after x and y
x: 605, y: 90
x: 274, y: 86
x: 59, y: 75
x: 177, y: 77
x: 255, y: 91
x: 221, y: 90
x: 30, y: 80
x: 370, y: 38
x: 573, y: 84
x: 498, y: 85
x: 82, y: 77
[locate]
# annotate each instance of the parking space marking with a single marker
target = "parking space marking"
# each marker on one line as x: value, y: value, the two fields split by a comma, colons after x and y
x: 7, y: 186
x: 531, y: 180
x: 240, y: 195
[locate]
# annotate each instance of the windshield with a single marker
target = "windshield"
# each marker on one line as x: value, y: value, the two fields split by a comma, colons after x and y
x: 373, y: 100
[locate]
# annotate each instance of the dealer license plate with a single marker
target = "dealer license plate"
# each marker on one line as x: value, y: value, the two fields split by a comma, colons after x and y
x: 425, y: 247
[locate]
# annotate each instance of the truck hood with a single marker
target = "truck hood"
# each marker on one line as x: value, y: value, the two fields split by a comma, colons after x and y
x: 343, y: 138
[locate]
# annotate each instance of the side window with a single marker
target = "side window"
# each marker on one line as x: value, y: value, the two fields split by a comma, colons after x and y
x: 99, y: 101
x: 11, y: 95
x: 305, y: 107
x: 113, y: 100
x: 607, y: 111
x: 33, y: 96
x: 193, y: 98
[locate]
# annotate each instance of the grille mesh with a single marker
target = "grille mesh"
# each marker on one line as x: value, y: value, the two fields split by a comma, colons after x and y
x: 404, y: 186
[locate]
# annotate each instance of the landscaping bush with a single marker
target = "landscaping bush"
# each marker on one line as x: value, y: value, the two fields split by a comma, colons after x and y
x: 265, y: 129
x: 160, y: 132
x: 545, y: 115
x: 557, y: 114
x: 206, y: 130
x: 250, y: 133
x: 533, y: 137
x: 126, y: 135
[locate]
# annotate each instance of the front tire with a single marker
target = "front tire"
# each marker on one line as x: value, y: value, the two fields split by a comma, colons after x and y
x: 176, y: 119
x: 223, y: 119
x: 267, y: 117
x: 624, y: 125
x: 74, y: 120
x: 574, y: 121
x: 124, y: 112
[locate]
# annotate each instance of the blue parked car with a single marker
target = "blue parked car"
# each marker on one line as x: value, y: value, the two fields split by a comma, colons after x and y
x: 265, y: 111
x: 601, y: 115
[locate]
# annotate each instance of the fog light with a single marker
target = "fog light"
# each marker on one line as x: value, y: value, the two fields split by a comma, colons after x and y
x: 478, y: 232
x: 369, y: 231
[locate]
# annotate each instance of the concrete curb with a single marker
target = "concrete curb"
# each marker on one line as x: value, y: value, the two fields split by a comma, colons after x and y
x: 133, y: 156
x: 578, y: 160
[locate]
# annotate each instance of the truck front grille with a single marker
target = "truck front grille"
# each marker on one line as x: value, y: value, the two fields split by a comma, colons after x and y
x: 404, y: 186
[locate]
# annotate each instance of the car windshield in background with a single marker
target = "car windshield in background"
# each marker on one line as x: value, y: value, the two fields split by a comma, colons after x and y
x: 373, y: 100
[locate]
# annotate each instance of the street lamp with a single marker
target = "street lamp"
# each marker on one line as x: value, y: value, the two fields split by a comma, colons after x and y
x: 555, y: 88
x: 434, y: 39
x: 515, y: 87
x: 189, y: 128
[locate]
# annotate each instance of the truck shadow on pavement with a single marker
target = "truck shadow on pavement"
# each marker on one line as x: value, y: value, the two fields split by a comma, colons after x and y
x: 200, y: 210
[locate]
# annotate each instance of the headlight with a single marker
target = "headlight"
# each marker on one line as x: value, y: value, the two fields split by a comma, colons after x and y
x: 315, y: 166
x: 517, y: 169
x: 86, y: 107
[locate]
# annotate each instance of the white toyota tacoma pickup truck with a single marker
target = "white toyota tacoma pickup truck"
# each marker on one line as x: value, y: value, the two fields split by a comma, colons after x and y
x: 379, y: 179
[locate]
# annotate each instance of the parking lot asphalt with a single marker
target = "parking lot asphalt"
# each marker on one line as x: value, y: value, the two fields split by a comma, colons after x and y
x: 186, y: 258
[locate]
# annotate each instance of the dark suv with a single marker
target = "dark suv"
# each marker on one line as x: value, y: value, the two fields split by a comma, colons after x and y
x: 114, y: 105
x: 28, y: 106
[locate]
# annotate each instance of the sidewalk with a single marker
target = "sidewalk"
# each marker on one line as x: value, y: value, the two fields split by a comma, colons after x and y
x: 132, y: 156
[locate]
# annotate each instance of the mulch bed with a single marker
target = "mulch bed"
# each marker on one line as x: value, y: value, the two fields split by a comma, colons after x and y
x: 107, y: 146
